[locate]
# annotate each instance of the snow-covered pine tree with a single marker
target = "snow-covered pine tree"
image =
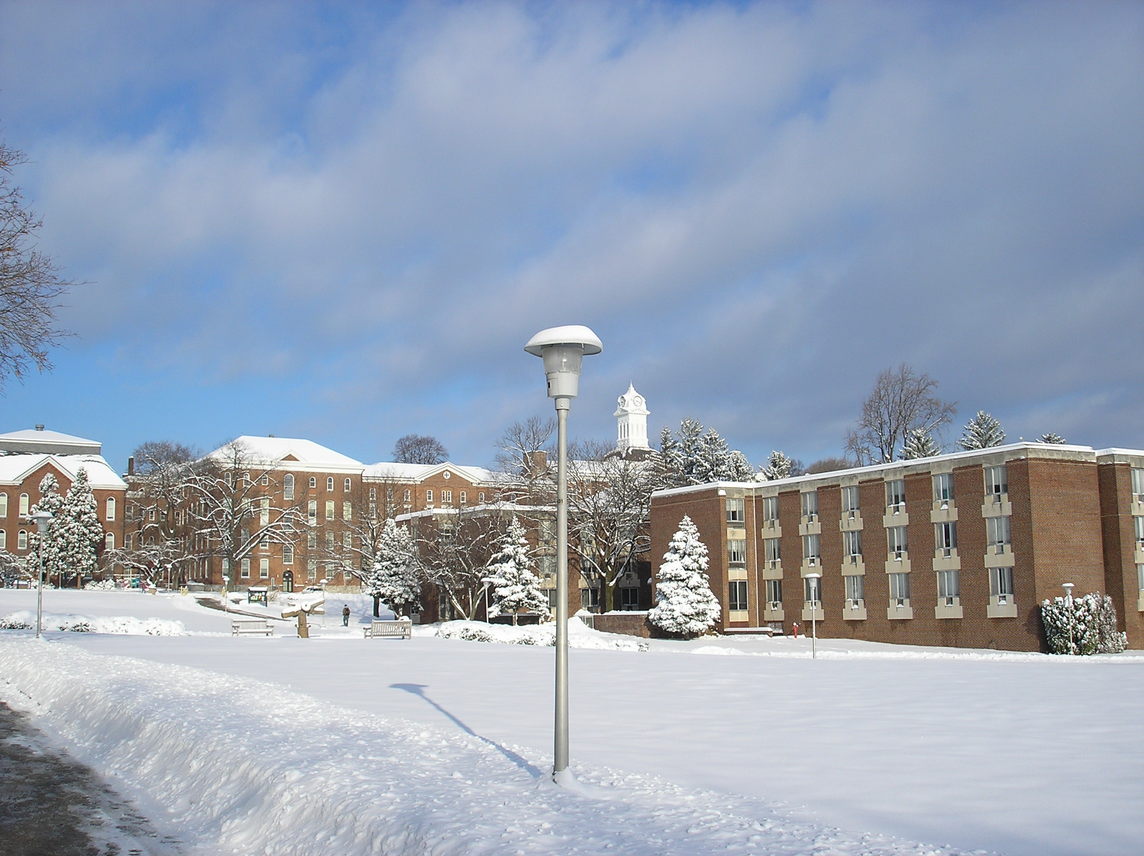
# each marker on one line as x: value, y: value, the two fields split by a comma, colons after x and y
x: 394, y: 577
x: 1051, y: 437
x: 50, y: 501
x: 690, y: 451
x: 1082, y: 625
x: 515, y: 588
x: 981, y: 432
x: 77, y: 534
x: 684, y: 603
x: 919, y: 444
x: 670, y: 460
x: 778, y: 466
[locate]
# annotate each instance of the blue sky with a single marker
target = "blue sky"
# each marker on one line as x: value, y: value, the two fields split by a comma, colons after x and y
x: 343, y: 221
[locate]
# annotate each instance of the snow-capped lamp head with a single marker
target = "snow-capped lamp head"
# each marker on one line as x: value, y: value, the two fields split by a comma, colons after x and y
x: 563, y: 349
x: 42, y: 519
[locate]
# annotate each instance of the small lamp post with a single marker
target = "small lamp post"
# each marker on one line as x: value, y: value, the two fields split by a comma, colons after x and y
x: 562, y: 349
x: 1068, y: 587
x: 225, y: 596
x: 814, y: 578
x: 43, y: 520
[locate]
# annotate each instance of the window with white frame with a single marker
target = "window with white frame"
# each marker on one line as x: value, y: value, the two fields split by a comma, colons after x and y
x: 347, y: 510
x: 812, y: 590
x: 405, y: 496
x: 24, y: 505
x: 287, y: 554
x: 446, y: 496
x: 313, y: 482
x: 109, y: 508
x: 850, y: 498
x: 329, y: 482
x: 772, y: 551
x: 481, y: 496
x: 774, y: 593
x: 855, y: 589
x: 997, y: 532
x: 811, y: 552
x: 771, y: 509
x: 347, y: 485
x: 996, y: 480
x: 852, y: 544
x: 1138, y: 523
x: 288, y: 486
x: 244, y: 569
x: 735, y: 512
x: 3, y: 504
x: 312, y: 511
x: 737, y: 551
x: 896, y: 542
x: 810, y: 504
x: 3, y: 540
x: 264, y: 479
x: 429, y: 496
x: 22, y: 540
x: 329, y: 509
x: 464, y: 497
x: 311, y: 540
x: 347, y: 540
x: 948, y: 587
x: 943, y: 487
x: 945, y: 537
x: 330, y: 541
x: 311, y: 569
x: 896, y: 495
x: 228, y: 477
x: 899, y: 588
x: 264, y: 511
x: 1001, y: 584
x: 263, y: 569
x: 737, y: 595
x: 1138, y: 483
x: 1139, y: 575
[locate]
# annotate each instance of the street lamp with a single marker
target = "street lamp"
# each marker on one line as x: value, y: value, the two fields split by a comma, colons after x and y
x: 225, y: 595
x: 814, y: 578
x: 1068, y: 587
x: 562, y: 349
x: 42, y: 519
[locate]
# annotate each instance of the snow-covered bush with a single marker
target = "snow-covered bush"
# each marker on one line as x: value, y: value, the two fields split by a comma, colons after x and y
x: 100, y: 585
x: 15, y: 622
x: 1082, y: 625
x: 684, y: 603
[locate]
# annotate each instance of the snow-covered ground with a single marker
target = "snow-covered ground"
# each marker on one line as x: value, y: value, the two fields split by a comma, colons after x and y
x: 342, y: 745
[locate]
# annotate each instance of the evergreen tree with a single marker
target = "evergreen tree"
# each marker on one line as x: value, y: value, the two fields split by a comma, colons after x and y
x: 1082, y: 625
x: 919, y: 444
x: 981, y: 432
x: 77, y: 534
x: 395, y: 578
x: 50, y: 501
x: 685, y: 605
x: 698, y: 457
x: 1055, y: 439
x: 779, y: 466
x: 515, y: 588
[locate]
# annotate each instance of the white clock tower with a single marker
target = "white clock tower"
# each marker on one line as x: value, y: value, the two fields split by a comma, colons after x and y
x: 631, y: 423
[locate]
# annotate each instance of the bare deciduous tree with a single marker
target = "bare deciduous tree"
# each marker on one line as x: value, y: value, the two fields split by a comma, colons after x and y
x: 419, y: 449
x: 453, y: 551
x: 901, y: 400
x: 523, y: 457
x: 30, y: 283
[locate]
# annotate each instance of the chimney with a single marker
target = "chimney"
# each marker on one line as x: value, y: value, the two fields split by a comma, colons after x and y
x: 39, y: 427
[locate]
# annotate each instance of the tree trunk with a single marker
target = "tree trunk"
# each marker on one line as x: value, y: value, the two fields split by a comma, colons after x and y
x: 377, y: 606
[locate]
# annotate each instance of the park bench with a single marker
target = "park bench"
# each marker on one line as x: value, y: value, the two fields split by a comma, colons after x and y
x: 251, y: 627
x: 402, y: 628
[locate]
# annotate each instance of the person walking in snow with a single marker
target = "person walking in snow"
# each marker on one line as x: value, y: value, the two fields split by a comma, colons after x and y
x: 345, y: 615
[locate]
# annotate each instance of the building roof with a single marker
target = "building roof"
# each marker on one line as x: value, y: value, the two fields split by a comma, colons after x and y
x: 395, y: 472
x: 291, y: 451
x: 40, y: 439
x: 15, y: 468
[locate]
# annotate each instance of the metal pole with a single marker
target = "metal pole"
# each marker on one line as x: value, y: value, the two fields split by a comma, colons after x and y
x: 560, y: 750
x: 40, y: 590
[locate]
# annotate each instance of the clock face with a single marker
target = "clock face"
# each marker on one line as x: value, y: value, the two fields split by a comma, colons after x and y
x: 638, y: 401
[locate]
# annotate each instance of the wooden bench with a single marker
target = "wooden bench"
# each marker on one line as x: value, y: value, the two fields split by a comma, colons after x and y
x: 251, y: 627
x: 402, y: 628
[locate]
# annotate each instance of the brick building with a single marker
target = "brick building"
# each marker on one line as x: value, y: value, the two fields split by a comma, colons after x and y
x: 955, y: 550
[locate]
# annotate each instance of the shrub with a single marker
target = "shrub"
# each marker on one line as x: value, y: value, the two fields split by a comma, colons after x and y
x: 1082, y: 625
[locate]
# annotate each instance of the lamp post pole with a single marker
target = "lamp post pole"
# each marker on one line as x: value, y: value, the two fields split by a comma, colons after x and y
x: 562, y: 349
x: 814, y: 578
x: 1068, y: 587
x: 42, y: 519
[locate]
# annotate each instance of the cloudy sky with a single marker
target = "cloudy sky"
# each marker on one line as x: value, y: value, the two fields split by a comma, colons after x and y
x: 342, y: 221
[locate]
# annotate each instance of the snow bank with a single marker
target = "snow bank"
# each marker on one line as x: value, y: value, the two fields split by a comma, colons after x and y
x: 579, y: 635
x: 124, y: 624
x: 239, y: 766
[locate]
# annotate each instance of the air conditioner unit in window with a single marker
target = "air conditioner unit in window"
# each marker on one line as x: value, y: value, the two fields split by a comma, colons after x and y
x: 812, y: 561
x: 949, y: 601
x: 899, y: 555
x: 1002, y: 599
x: 947, y: 551
x: 901, y: 602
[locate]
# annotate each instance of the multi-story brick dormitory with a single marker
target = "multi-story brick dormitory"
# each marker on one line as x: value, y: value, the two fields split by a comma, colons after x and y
x: 954, y: 550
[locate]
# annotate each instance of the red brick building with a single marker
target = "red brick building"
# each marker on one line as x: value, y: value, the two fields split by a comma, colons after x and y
x: 955, y: 550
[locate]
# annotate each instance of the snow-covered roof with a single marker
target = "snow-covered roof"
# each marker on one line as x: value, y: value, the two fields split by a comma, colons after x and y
x: 15, y: 468
x: 39, y: 439
x: 410, y: 473
x: 291, y: 451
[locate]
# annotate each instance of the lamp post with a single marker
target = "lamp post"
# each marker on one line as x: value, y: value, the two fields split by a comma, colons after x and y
x: 225, y: 596
x: 42, y: 519
x: 562, y: 349
x: 814, y: 578
x: 1068, y: 587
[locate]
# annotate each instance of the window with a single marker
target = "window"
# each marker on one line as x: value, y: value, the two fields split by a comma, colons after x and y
x: 735, y: 509
x: 1001, y: 584
x: 244, y: 573
x: 1138, y: 522
x: 312, y: 511
x: 347, y: 511
x: 347, y: 540
x: 590, y: 598
x: 287, y: 554
x: 1139, y: 571
x: 811, y: 589
x: 311, y: 540
x: 464, y: 497
x: 945, y: 537
x: 852, y: 544
x: 996, y: 481
x: 264, y: 480
x: 288, y: 486
x: 329, y: 540
x: 899, y: 588
x: 228, y: 477
x: 771, y: 550
x: 264, y: 511
x: 997, y: 532
x: 774, y: 593
x: 737, y: 595
x: 896, y: 495
x: 311, y: 569
x: 446, y: 496
x: 3, y: 540
x: 23, y: 505
x: 943, y: 487
x: 347, y: 485
x: 896, y: 542
x: 329, y: 482
x: 481, y: 496
x: 109, y: 508
x: 810, y: 504
x: 855, y: 589
x: 429, y: 497
x: 313, y: 482
x: 850, y: 499
x: 737, y: 551
x: 629, y: 598
x: 22, y: 540
x: 771, y: 509
x: 810, y: 549
x: 948, y: 587
x: 3, y: 505
x: 405, y: 495
x: 1138, y: 483
x: 329, y: 509
x: 263, y: 569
